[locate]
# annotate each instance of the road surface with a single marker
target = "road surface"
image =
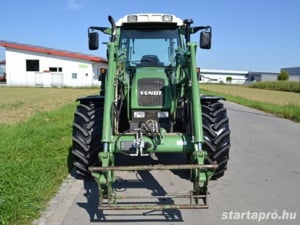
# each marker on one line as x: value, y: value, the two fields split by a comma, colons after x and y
x: 261, y: 185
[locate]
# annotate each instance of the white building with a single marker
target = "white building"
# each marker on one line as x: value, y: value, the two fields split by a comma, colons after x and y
x: 28, y: 65
x: 224, y: 76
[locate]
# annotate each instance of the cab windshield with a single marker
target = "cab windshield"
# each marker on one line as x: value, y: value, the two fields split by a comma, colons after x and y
x: 150, y: 47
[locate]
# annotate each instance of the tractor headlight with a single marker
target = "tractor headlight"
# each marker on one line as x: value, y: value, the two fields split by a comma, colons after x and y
x: 167, y: 18
x: 139, y: 114
x: 163, y: 115
x: 132, y: 18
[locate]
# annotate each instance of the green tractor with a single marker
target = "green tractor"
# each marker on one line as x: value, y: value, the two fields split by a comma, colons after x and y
x: 150, y: 103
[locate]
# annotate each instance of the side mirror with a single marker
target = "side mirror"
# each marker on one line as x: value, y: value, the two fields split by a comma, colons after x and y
x: 205, y: 40
x: 93, y: 40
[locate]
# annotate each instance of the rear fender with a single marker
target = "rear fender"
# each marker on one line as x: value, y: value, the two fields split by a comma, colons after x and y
x: 211, y: 98
x: 94, y: 98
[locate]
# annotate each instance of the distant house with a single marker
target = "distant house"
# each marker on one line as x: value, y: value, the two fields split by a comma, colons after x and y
x: 29, y: 65
x: 224, y: 76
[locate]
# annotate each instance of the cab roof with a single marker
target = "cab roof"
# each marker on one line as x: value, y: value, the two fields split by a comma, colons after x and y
x: 149, y: 18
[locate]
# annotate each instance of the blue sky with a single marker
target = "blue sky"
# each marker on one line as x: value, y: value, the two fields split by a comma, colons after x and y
x: 254, y: 35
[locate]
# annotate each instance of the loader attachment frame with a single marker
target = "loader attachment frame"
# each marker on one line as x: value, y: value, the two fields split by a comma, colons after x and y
x: 196, y: 198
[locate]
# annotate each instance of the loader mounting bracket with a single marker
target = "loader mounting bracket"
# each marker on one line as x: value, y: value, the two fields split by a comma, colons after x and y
x: 195, y: 199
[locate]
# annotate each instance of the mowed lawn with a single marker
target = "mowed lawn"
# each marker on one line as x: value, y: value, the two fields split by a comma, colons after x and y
x: 19, y: 104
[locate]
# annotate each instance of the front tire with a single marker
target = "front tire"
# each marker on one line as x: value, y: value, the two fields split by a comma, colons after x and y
x: 87, y: 132
x: 216, y: 134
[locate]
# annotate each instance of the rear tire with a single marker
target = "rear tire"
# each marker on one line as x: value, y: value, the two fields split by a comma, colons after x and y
x: 216, y: 134
x: 87, y: 132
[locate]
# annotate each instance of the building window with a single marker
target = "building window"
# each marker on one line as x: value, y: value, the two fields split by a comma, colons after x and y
x: 32, y: 65
x: 55, y: 69
x: 74, y: 75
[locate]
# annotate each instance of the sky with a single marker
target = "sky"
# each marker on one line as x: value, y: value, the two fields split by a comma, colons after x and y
x: 251, y: 35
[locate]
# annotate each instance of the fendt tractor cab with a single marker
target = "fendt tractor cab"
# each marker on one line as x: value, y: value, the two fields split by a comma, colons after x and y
x: 150, y: 103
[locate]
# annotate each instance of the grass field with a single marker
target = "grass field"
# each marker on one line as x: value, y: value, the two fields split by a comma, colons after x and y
x: 19, y: 104
x: 280, y: 103
x: 260, y: 95
x: 36, y: 127
x: 292, y: 86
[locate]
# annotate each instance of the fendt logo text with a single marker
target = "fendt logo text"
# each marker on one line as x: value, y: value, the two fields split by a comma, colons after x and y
x: 151, y: 93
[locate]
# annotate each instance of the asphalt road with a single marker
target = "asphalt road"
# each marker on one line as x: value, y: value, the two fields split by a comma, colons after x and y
x: 261, y: 185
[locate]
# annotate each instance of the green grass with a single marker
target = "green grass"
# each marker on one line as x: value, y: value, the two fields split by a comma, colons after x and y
x: 282, y: 104
x: 34, y: 162
x: 36, y: 129
x: 291, y: 86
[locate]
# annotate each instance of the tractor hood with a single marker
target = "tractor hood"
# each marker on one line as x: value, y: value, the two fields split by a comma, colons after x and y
x: 150, y: 89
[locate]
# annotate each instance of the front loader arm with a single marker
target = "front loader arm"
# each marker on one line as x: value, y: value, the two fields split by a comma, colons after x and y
x: 109, y: 96
x: 194, y: 96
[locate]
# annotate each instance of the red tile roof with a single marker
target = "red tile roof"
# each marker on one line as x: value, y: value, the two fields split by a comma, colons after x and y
x: 51, y: 51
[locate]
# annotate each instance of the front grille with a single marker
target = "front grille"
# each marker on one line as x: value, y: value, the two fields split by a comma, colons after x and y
x: 150, y: 115
x: 151, y: 92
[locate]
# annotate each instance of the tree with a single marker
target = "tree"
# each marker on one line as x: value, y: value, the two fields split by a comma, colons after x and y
x: 228, y: 79
x: 283, y: 75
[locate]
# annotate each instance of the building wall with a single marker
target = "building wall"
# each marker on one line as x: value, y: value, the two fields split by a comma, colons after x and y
x: 294, y: 78
x: 268, y: 77
x: 70, y: 72
x: 294, y: 73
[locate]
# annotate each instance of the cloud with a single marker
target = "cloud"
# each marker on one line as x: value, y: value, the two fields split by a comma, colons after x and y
x: 74, y: 5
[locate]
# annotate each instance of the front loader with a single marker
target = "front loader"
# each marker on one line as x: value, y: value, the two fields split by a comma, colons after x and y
x: 150, y: 103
